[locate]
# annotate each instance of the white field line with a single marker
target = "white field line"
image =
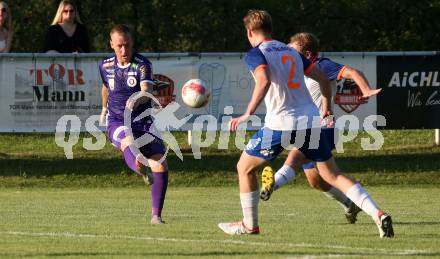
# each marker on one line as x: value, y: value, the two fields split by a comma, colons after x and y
x: 379, y: 251
x: 320, y: 256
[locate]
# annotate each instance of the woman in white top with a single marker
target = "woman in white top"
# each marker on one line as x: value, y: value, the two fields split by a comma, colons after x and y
x: 5, y: 28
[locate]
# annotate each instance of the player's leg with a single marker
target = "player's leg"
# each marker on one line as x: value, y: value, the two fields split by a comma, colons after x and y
x: 284, y: 175
x: 316, y: 181
x: 122, y: 138
x: 264, y: 146
x: 249, y: 197
x: 159, y: 187
x: 249, y: 189
x: 287, y: 173
x: 155, y: 152
x: 354, y: 191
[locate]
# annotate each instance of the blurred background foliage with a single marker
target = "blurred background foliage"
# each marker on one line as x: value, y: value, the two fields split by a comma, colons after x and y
x: 216, y: 25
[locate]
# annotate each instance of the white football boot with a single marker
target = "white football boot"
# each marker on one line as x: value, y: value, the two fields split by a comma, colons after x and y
x: 156, y: 220
x: 238, y: 228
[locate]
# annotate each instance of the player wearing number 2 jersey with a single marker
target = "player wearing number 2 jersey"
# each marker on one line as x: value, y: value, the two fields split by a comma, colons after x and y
x: 308, y: 45
x: 326, y: 176
x: 279, y: 79
x: 287, y: 99
x: 278, y: 73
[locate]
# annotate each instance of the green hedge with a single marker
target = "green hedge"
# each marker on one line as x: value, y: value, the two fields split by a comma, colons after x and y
x: 216, y: 25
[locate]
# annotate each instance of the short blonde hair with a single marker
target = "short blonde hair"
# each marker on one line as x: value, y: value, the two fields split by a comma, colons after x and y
x: 8, y: 24
x: 258, y: 20
x: 59, y: 15
x: 122, y: 29
x: 306, y: 41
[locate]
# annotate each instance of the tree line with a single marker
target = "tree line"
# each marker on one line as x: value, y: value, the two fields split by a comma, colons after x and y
x: 216, y: 25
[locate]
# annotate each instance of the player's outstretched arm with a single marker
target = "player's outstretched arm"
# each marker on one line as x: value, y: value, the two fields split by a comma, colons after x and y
x: 359, y: 78
x: 262, y: 84
x: 324, y: 85
x: 104, y: 101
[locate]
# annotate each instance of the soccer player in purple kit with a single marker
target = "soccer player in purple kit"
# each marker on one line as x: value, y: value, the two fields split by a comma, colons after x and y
x: 125, y: 74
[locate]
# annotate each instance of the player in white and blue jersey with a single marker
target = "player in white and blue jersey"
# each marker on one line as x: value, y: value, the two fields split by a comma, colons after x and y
x: 125, y: 75
x: 278, y: 72
x: 307, y: 44
x: 279, y: 79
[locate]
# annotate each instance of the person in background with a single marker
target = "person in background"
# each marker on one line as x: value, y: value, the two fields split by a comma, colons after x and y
x: 67, y: 34
x: 6, y: 32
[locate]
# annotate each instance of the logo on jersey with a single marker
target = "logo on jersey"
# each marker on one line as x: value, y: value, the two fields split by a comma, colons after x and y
x: 253, y: 143
x: 267, y: 152
x: 143, y: 71
x: 131, y: 81
x: 348, y: 96
x: 163, y: 89
x: 111, y: 83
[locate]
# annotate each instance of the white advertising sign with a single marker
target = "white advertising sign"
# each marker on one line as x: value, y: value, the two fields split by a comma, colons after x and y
x: 36, y: 90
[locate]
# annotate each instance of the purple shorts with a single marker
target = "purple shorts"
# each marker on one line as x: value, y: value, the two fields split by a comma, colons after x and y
x: 153, y: 141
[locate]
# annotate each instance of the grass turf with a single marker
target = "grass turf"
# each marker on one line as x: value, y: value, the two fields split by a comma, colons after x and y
x: 407, y: 157
x: 296, y: 222
x: 98, y: 208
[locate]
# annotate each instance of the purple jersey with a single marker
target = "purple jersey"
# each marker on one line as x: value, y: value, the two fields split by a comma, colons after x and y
x: 122, y: 82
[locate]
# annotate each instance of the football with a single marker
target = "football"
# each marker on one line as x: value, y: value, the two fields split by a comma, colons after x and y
x: 195, y: 94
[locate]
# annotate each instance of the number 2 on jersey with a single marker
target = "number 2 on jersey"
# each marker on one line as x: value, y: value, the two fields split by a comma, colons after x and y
x: 290, y: 83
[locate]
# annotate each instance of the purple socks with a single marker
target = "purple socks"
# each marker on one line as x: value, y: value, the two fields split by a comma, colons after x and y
x: 158, y: 190
x: 130, y: 160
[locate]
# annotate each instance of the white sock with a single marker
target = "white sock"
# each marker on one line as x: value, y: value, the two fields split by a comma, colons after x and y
x: 283, y: 176
x: 363, y: 200
x: 339, y: 196
x: 249, y: 204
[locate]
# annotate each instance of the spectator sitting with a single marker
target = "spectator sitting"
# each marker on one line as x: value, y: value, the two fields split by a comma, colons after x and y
x: 67, y: 34
x: 5, y: 28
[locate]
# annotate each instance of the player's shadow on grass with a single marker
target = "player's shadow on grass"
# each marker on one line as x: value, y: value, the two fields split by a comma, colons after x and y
x: 390, y: 163
x: 223, y: 253
x: 209, y: 163
x: 428, y: 223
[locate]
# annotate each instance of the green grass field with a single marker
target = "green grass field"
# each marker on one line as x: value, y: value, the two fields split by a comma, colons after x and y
x: 93, y: 206
x: 296, y: 222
